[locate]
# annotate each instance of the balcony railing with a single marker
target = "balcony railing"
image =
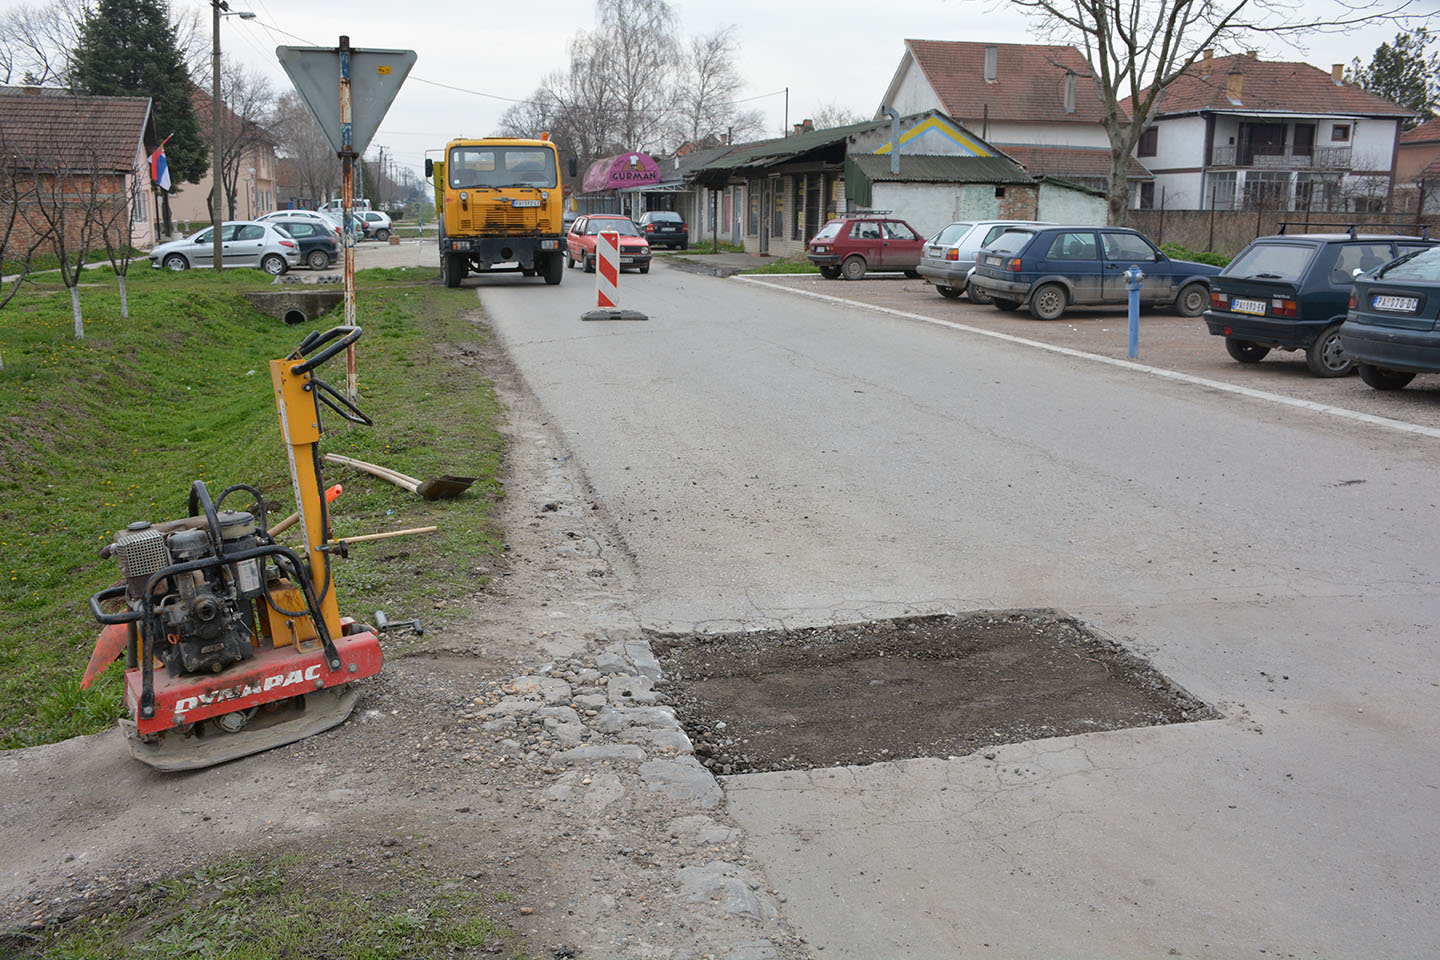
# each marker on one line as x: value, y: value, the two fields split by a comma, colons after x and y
x: 1320, y: 158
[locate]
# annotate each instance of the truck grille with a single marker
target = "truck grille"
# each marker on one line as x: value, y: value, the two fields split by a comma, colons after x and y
x: 500, y: 218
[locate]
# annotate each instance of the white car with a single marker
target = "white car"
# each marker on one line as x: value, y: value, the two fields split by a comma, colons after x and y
x: 299, y: 215
x: 243, y: 243
x: 948, y: 258
x: 376, y: 224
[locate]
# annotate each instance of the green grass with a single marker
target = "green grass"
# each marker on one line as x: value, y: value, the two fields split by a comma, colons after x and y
x: 284, y: 909
x: 785, y: 266
x: 1177, y: 252
x: 99, y: 432
x: 702, y: 249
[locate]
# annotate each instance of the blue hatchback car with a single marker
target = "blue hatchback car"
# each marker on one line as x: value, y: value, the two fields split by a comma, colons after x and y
x: 1392, y: 330
x: 1054, y: 267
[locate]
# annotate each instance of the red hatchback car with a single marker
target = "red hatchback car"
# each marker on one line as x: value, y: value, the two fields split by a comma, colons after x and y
x: 580, y: 241
x: 850, y: 245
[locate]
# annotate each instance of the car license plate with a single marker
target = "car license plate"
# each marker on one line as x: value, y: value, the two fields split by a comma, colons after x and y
x: 1256, y: 307
x: 993, y: 261
x: 524, y: 203
x: 1397, y: 304
x: 627, y: 259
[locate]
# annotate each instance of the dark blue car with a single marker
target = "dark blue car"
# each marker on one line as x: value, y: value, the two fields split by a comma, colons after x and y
x: 1290, y: 292
x: 1052, y: 268
x: 1392, y: 329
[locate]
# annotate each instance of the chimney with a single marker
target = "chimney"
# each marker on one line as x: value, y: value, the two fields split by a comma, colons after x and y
x: 992, y: 55
x: 1207, y: 62
x: 809, y: 124
x: 1234, y: 84
x: 798, y: 128
x: 1337, y: 73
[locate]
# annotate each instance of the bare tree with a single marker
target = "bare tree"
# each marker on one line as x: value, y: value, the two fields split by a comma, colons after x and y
x: 1138, y: 48
x: 16, y: 254
x: 709, y: 85
x: 641, y: 56
x: 36, y: 42
x: 245, y: 118
x: 115, y: 222
x: 66, y: 191
x: 833, y: 115
x: 301, y: 141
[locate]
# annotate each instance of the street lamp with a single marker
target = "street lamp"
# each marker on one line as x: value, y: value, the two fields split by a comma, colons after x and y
x: 221, y: 9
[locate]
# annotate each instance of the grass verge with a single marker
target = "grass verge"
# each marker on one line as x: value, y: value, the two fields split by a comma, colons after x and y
x: 785, y: 266
x: 701, y: 249
x: 99, y: 432
x: 1176, y: 252
x: 285, y: 909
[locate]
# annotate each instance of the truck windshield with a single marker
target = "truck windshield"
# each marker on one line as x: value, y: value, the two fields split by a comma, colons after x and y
x: 501, y: 167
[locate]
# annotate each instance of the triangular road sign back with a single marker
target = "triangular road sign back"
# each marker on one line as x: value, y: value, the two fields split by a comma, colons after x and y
x: 375, y: 78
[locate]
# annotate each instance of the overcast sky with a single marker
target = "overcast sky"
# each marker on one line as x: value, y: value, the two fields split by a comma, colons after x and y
x: 837, y: 51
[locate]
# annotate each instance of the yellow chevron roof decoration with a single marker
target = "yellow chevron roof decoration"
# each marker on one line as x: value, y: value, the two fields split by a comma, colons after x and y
x: 944, y: 129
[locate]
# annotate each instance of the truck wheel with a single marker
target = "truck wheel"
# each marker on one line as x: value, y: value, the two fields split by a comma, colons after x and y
x: 554, y: 269
x: 527, y: 271
x: 450, y: 269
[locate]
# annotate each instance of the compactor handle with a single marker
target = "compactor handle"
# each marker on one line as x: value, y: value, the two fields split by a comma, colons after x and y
x: 342, y: 337
x: 112, y: 593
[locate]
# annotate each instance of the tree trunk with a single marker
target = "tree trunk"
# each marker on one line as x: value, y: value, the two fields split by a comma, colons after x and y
x: 1117, y: 193
x: 75, y: 307
x: 124, y: 301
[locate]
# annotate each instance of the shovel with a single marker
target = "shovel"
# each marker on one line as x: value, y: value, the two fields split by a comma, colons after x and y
x: 441, y: 488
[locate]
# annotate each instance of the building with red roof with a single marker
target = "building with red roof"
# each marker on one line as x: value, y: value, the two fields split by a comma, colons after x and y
x: 1036, y: 102
x: 1240, y: 133
x: 1417, y: 167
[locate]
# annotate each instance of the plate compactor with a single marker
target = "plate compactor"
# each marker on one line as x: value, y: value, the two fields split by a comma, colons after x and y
x: 233, y: 642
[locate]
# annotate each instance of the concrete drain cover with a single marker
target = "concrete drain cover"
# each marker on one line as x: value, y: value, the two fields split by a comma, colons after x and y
x: 916, y: 687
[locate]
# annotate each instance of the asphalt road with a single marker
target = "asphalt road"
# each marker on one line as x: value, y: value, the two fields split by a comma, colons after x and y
x: 776, y: 459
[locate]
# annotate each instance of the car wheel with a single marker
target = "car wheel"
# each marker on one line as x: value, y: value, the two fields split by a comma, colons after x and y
x: 830, y: 273
x: 1326, y: 357
x: 645, y: 269
x: 176, y: 262
x: 949, y: 293
x: 382, y: 234
x: 1049, y: 302
x: 1193, y: 300
x: 1382, y: 379
x: 913, y: 274
x: 527, y: 271
x: 977, y: 295
x: 1009, y: 306
x: 273, y: 264
x: 317, y: 259
x: 589, y: 264
x: 853, y: 268
x: 1245, y: 351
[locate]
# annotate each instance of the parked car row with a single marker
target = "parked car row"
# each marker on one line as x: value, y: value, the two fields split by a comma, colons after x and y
x: 1347, y: 300
x: 584, y: 235
x: 1011, y: 263
x: 274, y: 242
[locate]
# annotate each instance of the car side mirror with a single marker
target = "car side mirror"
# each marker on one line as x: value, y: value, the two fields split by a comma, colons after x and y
x: 429, y: 167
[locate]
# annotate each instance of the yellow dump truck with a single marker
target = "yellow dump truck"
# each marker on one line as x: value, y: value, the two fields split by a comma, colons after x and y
x: 498, y: 201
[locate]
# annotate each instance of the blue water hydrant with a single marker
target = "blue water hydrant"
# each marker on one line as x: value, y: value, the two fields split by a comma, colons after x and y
x: 1134, y: 278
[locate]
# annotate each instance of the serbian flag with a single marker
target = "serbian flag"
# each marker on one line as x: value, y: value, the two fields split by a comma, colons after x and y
x: 159, y: 169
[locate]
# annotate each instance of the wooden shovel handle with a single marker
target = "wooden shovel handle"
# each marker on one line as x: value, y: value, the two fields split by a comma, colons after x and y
x: 375, y: 470
x: 385, y: 536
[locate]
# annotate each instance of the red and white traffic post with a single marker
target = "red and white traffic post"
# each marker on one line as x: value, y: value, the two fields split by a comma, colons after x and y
x: 607, y: 270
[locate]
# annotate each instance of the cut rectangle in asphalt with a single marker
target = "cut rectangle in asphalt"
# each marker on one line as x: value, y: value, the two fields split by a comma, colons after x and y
x: 933, y: 686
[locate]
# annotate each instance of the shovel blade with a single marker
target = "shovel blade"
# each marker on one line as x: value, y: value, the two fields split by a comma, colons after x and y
x: 442, y: 488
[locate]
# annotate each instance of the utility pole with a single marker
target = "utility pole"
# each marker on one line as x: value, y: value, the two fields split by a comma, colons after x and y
x: 220, y: 8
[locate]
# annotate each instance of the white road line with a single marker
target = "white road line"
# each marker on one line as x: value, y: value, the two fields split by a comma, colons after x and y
x: 1325, y: 408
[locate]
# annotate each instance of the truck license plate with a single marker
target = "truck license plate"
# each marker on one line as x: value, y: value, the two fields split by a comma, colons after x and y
x: 524, y: 203
x: 1257, y: 307
x: 1397, y: 304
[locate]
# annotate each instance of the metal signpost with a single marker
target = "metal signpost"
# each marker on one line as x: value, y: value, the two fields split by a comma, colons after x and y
x: 347, y: 91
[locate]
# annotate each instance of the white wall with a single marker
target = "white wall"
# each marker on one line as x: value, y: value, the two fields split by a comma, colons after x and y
x: 913, y: 94
x: 930, y: 206
x: 1060, y: 204
x: 1372, y: 142
x: 1042, y: 134
x: 1182, y: 190
x: 1180, y: 143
